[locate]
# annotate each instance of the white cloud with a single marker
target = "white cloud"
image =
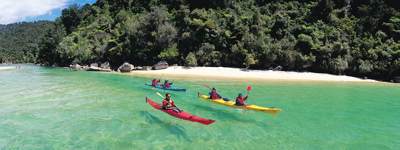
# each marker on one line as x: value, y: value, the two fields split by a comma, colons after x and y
x: 17, y: 10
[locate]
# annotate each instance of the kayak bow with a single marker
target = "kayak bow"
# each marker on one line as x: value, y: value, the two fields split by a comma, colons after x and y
x: 181, y: 115
x: 231, y: 103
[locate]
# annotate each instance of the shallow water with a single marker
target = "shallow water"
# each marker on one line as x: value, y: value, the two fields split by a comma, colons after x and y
x: 44, y: 108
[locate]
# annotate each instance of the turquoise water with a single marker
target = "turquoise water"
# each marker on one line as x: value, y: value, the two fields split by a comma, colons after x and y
x: 43, y: 108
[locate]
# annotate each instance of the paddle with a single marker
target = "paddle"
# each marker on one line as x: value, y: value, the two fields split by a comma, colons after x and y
x: 159, y: 95
x: 249, y: 88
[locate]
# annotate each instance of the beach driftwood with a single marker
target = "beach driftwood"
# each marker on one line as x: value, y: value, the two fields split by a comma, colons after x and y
x: 103, y: 67
x: 93, y: 68
x: 76, y: 67
x: 126, y: 67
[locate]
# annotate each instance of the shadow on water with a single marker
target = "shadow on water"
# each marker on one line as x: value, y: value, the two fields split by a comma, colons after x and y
x: 224, y: 114
x: 177, y: 130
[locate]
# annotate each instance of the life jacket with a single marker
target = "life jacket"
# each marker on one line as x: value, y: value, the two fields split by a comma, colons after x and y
x: 240, y: 100
x: 154, y: 82
x: 214, y: 95
x: 167, y: 85
x: 166, y: 103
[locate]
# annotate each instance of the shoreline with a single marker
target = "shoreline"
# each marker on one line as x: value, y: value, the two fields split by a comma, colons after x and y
x: 225, y: 73
x: 7, y: 68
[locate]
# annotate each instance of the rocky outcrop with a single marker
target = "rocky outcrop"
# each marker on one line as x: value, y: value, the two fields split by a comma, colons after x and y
x: 126, y: 67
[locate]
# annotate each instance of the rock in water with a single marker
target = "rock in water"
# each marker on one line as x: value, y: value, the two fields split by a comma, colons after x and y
x: 126, y: 67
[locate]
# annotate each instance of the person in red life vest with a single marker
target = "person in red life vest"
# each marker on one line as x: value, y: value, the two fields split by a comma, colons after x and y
x: 168, y: 103
x: 214, y: 95
x: 240, y: 100
x: 167, y: 84
x: 154, y: 82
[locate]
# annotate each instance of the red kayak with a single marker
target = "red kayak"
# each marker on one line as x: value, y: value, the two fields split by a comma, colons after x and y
x: 181, y: 115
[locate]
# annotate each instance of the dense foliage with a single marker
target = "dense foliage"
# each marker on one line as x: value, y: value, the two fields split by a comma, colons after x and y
x: 19, y: 42
x: 354, y: 37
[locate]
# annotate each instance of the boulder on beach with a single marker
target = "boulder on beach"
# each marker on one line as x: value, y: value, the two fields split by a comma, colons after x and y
x: 126, y: 67
x: 75, y: 66
x: 105, y: 65
x: 397, y: 79
x: 160, y: 65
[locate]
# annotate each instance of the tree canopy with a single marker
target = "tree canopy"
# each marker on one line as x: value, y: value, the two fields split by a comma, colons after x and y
x: 353, y: 37
x: 19, y: 42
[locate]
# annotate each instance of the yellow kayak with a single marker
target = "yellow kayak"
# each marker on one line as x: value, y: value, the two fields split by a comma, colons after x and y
x: 230, y: 103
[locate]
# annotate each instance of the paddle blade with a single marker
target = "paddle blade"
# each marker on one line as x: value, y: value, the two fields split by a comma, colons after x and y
x: 249, y: 88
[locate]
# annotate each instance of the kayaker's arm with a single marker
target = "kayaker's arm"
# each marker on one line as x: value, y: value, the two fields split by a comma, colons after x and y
x: 173, y: 103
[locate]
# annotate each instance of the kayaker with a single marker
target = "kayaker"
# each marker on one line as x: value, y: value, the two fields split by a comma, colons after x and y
x: 167, y: 84
x: 154, y: 82
x: 168, y: 103
x: 214, y: 95
x: 240, y: 100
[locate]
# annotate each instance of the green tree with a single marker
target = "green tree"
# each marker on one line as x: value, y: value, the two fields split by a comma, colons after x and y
x: 249, y: 60
x: 48, y: 45
x: 71, y: 18
x: 191, y: 60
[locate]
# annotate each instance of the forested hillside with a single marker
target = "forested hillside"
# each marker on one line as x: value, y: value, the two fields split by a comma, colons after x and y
x: 353, y: 37
x: 19, y: 41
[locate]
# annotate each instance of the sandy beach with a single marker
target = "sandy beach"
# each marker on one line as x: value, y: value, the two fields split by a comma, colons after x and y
x: 6, y: 67
x: 238, y: 74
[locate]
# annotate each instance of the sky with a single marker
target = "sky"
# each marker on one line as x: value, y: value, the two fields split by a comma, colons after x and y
x: 12, y: 11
